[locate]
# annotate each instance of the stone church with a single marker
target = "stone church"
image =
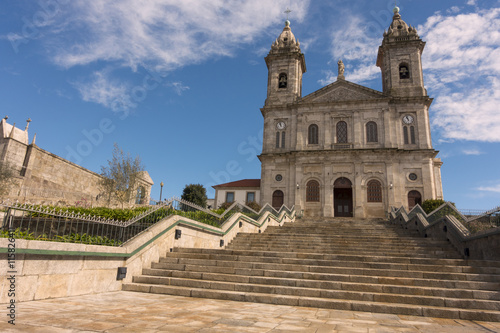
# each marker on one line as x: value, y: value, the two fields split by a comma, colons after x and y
x: 346, y: 150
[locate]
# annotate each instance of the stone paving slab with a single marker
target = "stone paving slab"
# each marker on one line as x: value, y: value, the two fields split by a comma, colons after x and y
x: 143, y: 312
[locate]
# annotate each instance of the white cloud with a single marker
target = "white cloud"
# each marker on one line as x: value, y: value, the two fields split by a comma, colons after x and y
x: 494, y: 188
x: 471, y: 2
x: 462, y: 65
x: 103, y: 90
x: 162, y: 34
x: 472, y: 151
x: 178, y: 87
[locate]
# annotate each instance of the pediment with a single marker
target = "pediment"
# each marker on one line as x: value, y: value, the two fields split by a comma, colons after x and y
x: 342, y: 91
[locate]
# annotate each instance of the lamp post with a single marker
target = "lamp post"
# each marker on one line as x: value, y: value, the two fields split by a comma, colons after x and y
x: 161, y: 189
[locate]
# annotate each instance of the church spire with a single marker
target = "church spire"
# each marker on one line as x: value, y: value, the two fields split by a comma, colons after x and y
x: 399, y: 28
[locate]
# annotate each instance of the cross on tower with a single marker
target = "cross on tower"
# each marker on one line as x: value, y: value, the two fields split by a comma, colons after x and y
x: 287, y: 11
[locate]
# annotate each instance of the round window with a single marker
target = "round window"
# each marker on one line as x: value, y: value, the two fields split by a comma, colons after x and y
x: 413, y: 176
x: 278, y: 178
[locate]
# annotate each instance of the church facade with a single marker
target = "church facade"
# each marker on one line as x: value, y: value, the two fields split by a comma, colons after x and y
x: 346, y: 150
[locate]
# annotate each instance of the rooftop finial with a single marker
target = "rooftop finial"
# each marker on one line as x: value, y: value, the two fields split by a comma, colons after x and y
x: 287, y: 12
x: 27, y: 124
x: 396, y: 8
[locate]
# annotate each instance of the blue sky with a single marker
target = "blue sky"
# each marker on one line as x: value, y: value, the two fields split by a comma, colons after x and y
x: 180, y: 83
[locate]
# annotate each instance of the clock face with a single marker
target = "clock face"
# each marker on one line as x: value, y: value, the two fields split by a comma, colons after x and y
x: 408, y: 119
x: 281, y: 125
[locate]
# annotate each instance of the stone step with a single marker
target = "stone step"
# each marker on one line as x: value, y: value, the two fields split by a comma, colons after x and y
x: 284, y: 278
x: 241, y: 268
x: 225, y: 254
x: 321, y: 245
x: 352, y: 265
x: 338, y: 252
x: 250, y: 261
x: 372, y: 295
x: 340, y: 304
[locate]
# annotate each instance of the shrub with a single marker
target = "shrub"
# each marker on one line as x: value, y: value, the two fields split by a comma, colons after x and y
x: 225, y: 205
x: 430, y: 205
x: 255, y: 206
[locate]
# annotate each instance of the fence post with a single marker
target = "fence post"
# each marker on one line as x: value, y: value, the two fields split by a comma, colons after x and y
x: 6, y: 218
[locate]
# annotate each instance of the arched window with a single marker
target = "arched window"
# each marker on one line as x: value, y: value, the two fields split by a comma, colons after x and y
x: 374, y: 191
x: 341, y: 132
x: 371, y: 132
x: 404, y: 71
x: 280, y: 139
x: 278, y: 197
x: 409, y: 137
x: 412, y: 134
x: 313, y: 134
x: 282, y: 82
x: 312, y: 191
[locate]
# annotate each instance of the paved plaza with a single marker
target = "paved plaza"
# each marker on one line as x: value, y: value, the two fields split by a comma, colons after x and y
x: 139, y: 312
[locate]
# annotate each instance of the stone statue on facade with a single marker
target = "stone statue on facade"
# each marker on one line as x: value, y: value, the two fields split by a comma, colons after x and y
x: 341, y: 70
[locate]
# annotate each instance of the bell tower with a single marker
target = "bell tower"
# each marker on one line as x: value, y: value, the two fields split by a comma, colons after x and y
x: 400, y: 60
x: 286, y: 64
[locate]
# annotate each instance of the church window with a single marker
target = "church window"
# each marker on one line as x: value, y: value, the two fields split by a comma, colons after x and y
x: 341, y: 132
x: 282, y: 81
x: 312, y: 191
x: 374, y: 191
x: 371, y: 132
x: 280, y: 139
x: 313, y: 134
x: 404, y: 71
x: 405, y: 135
x: 412, y: 134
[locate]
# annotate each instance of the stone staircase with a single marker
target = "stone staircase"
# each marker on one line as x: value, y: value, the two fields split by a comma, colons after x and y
x: 347, y: 265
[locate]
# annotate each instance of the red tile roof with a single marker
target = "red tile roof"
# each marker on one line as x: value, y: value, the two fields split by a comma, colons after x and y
x: 241, y: 183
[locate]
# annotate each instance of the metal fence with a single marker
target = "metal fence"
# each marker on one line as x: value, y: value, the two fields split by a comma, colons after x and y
x: 473, y: 220
x: 26, y: 221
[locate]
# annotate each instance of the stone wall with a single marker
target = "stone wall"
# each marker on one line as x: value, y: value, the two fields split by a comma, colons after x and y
x: 45, y: 178
x: 50, y: 269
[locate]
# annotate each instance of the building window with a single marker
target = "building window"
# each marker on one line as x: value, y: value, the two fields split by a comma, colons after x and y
x: 280, y: 139
x: 412, y: 134
x: 250, y: 197
x: 371, y: 132
x: 313, y: 134
x: 312, y: 191
x: 282, y: 81
x: 229, y: 197
x: 374, y: 191
x: 404, y: 71
x: 409, y: 137
x: 341, y: 132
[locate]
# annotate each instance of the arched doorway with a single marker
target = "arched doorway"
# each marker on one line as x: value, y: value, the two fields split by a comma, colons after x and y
x: 278, y: 199
x: 414, y: 198
x: 342, y: 198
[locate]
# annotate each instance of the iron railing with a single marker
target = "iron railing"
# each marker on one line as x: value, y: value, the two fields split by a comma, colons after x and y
x: 35, y: 222
x: 473, y: 220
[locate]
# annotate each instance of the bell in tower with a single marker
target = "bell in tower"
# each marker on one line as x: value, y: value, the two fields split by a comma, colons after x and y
x: 400, y: 60
x: 286, y: 64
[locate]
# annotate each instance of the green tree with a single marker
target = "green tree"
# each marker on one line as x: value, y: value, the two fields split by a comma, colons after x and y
x: 118, y: 177
x: 430, y: 205
x: 196, y: 194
